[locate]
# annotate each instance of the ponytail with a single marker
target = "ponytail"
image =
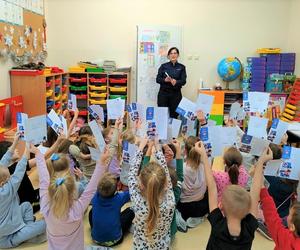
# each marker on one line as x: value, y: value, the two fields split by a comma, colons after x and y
x: 193, y: 158
x: 153, y: 178
x: 233, y: 159
x: 233, y: 172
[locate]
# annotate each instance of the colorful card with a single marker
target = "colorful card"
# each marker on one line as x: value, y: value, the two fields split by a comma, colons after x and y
x: 257, y: 127
x: 72, y: 102
x: 252, y: 145
x: 205, y: 138
x: 204, y: 103
x: 128, y: 151
x: 272, y: 167
x: 187, y: 109
x: 115, y: 108
x: 55, y: 122
x: 290, y: 168
x: 246, y: 103
x: 36, y: 129
x: 188, y: 127
x: 64, y: 124
x: 277, y: 131
x: 21, y: 118
x: 173, y: 128
x: 96, y: 111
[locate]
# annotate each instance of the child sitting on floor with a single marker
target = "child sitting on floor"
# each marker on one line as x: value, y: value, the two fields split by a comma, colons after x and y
x: 17, y: 221
x: 233, y: 225
x: 107, y: 222
x: 234, y: 173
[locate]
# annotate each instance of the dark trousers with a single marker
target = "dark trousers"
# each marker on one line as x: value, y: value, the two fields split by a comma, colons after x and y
x: 127, y: 217
x: 194, y: 208
x: 170, y: 100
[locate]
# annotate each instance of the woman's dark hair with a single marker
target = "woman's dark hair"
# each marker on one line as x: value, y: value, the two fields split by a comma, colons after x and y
x: 233, y: 159
x: 172, y: 147
x: 276, y: 149
x: 173, y: 48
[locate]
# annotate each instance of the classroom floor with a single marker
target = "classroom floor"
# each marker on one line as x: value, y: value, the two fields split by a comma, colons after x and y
x: 194, y: 239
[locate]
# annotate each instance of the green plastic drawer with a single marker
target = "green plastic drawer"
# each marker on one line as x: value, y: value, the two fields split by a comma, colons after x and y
x: 81, y: 88
x: 218, y: 118
x: 98, y: 70
x: 117, y: 96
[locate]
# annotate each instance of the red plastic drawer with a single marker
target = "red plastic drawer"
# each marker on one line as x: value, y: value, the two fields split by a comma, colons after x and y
x: 73, y: 79
x: 48, y: 84
x: 118, y: 80
x: 26, y: 72
x: 83, y: 112
x: 57, y: 105
x: 81, y: 96
x: 64, y: 88
x: 98, y: 80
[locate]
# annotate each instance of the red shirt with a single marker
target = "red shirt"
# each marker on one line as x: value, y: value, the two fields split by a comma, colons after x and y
x: 283, y: 237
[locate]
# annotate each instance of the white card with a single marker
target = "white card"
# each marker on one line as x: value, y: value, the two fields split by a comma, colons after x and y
x: 188, y: 127
x: 272, y: 167
x: 235, y: 111
x: 21, y: 119
x: 204, y: 103
x: 290, y: 168
x: 258, y: 101
x: 161, y: 117
x: 115, y: 108
x: 128, y: 152
x: 95, y: 153
x: 257, y: 127
x: 96, y: 111
x: 72, y: 102
x: 64, y: 124
x: 277, y: 130
x: 55, y: 122
x: 174, y: 128
x: 36, y: 129
x: 187, y: 109
x: 98, y: 135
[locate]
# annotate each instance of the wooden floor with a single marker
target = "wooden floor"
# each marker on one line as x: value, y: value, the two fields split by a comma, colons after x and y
x: 194, y: 239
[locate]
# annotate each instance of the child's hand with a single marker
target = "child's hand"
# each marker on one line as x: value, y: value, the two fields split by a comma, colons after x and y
x: 76, y: 113
x: 266, y: 156
x: 200, y: 149
x: 176, y: 144
x: 119, y: 123
x: 78, y: 173
x: 33, y: 149
x: 231, y: 123
x: 200, y: 116
x: 104, y: 157
x: 16, y: 138
x: 138, y: 123
x: 143, y: 143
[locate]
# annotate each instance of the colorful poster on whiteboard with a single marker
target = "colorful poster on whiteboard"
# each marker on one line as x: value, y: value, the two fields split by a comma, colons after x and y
x: 153, y: 43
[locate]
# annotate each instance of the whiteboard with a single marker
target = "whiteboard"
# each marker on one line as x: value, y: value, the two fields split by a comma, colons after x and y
x: 153, y: 43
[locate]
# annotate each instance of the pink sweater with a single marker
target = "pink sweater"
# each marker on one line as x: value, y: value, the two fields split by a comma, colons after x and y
x: 222, y: 179
x: 65, y: 234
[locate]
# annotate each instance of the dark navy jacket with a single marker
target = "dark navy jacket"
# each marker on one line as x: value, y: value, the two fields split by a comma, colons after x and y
x: 175, y: 71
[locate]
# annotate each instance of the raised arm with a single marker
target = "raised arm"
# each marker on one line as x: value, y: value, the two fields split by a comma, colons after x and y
x: 258, y: 180
x: 211, y: 184
x: 73, y: 123
x: 147, y: 157
x: 6, y: 158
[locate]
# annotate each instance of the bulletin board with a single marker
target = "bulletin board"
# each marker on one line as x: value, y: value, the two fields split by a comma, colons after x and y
x: 22, y: 30
x: 153, y: 43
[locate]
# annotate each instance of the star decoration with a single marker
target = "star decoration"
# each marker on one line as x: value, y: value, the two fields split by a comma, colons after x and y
x: 22, y: 42
x: 8, y: 40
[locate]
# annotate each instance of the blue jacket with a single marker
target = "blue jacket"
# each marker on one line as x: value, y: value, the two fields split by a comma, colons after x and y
x: 11, y: 219
x: 175, y: 71
x: 106, y: 217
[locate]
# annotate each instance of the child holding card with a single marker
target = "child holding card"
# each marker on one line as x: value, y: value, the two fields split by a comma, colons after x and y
x: 193, y: 204
x: 17, y: 220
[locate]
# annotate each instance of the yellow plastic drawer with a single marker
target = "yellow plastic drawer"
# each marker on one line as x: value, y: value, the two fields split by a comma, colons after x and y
x: 49, y: 93
x: 101, y: 95
x: 57, y: 98
x: 217, y: 109
x: 97, y: 88
x: 64, y: 97
x: 118, y: 89
x: 97, y: 101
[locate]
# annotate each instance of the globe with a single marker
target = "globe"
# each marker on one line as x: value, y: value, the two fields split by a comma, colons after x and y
x: 229, y: 69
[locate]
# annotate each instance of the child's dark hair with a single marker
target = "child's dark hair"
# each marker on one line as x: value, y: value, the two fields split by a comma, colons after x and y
x: 63, y: 147
x: 193, y: 158
x: 233, y: 159
x: 276, y: 150
x: 51, y: 137
x: 173, y: 48
x: 85, y: 130
x: 4, y: 146
x: 107, y: 185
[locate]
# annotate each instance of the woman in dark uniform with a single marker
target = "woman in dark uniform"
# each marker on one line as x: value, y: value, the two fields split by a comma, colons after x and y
x: 171, y: 77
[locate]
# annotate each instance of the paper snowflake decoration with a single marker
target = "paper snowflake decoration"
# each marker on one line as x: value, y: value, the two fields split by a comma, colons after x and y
x: 8, y: 40
x: 12, y: 30
x: 22, y: 42
x: 27, y: 31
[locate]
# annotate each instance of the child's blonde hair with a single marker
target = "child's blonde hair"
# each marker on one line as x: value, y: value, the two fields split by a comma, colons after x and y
x: 129, y: 136
x: 107, y: 185
x: 193, y: 158
x: 57, y: 163
x: 4, y: 174
x: 61, y: 194
x: 233, y: 159
x: 236, y: 201
x: 153, y: 179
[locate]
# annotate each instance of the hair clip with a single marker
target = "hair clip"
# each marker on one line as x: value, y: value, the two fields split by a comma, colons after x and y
x: 59, y: 181
x: 54, y: 157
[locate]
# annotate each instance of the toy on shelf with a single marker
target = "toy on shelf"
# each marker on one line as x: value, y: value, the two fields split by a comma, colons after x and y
x: 292, y: 108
